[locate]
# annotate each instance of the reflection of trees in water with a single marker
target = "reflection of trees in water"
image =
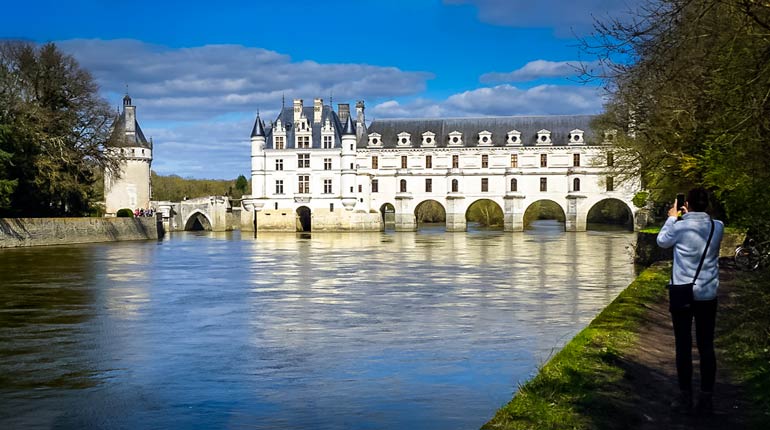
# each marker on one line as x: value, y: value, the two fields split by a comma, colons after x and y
x: 485, y: 212
x: 543, y: 209
x: 610, y: 211
x: 430, y: 211
x: 42, y: 312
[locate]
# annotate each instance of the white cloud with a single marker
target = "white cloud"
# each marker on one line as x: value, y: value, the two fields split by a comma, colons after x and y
x: 206, y: 81
x: 501, y: 100
x: 565, y: 17
x: 537, y: 69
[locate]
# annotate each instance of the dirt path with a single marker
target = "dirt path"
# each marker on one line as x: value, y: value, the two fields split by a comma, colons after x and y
x: 651, y: 372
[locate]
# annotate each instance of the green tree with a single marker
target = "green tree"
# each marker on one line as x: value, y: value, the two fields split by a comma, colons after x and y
x: 689, y: 85
x: 53, y: 132
x: 242, y: 184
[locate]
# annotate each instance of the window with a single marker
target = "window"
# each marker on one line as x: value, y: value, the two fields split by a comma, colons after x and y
x: 484, y: 161
x: 279, y: 186
x: 402, y: 186
x: 455, y: 185
x: 428, y: 162
x: 610, y: 183
x: 327, y: 142
x: 276, y: 205
x: 610, y: 159
x: 575, y: 160
x: 331, y: 207
x: 279, y: 164
x: 360, y: 188
x: 375, y: 186
x: 484, y: 185
x: 429, y: 185
x: 280, y: 143
x: 543, y: 184
x: 327, y: 163
x: 514, y: 160
x: 327, y: 186
x: 303, y: 161
x: 514, y: 185
x: 576, y: 184
x: 303, y: 142
x: 455, y: 161
x: 304, y: 184
x: 543, y: 160
x: 375, y: 162
x: 403, y: 161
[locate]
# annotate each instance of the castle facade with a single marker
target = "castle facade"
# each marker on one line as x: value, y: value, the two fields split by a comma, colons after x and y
x: 314, y: 168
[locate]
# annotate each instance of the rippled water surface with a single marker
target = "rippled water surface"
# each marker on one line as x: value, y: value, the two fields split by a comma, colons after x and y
x: 417, y: 330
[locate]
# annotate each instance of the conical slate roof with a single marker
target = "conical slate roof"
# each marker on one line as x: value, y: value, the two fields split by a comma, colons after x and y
x: 349, y: 127
x: 259, y: 128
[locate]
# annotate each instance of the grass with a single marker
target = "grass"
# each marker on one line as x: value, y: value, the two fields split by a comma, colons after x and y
x: 574, y: 390
x: 744, y: 341
x: 582, y: 386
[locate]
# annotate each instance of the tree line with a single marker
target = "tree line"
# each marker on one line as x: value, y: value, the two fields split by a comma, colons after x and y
x: 175, y: 188
x: 689, y: 86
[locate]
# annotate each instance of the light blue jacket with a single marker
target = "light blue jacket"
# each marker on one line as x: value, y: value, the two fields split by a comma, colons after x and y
x: 688, y: 237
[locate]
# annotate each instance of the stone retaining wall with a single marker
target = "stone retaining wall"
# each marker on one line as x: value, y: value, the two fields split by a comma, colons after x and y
x: 15, y: 232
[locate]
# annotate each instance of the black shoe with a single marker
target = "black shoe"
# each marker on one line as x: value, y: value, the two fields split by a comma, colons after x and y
x: 682, y: 404
x: 705, y: 405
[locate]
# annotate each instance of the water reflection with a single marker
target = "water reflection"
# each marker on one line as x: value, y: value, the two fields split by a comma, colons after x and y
x: 383, y: 330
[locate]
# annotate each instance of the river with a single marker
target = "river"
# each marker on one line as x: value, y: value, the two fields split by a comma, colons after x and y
x: 423, y: 330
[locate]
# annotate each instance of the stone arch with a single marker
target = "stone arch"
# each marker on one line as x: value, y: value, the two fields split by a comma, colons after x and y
x: 198, y: 221
x: 486, y: 213
x: 544, y: 209
x: 388, y: 213
x: 304, y: 219
x: 429, y: 211
x: 611, y: 211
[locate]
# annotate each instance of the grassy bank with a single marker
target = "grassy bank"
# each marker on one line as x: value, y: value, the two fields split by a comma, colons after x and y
x: 590, y: 385
x: 744, y: 341
x: 574, y: 389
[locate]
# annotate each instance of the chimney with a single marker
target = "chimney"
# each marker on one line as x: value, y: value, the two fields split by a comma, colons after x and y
x: 297, y: 109
x: 318, y: 106
x: 360, y: 118
x: 343, y: 111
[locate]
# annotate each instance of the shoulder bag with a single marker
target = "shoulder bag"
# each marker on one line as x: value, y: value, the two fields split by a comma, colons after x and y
x: 680, y: 296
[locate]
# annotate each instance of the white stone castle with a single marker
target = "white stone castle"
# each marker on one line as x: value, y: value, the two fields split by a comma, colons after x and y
x: 131, y: 189
x: 317, y: 169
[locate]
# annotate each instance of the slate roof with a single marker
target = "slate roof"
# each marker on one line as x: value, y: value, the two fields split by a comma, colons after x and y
x: 119, y: 138
x: 287, y: 119
x: 560, y: 127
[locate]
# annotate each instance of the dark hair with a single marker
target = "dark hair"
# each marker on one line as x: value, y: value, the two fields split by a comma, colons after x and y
x: 698, y: 199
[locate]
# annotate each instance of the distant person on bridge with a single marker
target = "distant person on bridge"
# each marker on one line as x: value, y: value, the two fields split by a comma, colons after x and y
x: 696, y: 240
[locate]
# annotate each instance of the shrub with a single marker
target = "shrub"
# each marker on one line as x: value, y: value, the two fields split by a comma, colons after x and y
x: 125, y: 213
x: 640, y: 199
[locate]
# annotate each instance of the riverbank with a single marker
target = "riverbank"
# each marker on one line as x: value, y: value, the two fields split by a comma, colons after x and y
x: 20, y: 232
x: 619, y: 372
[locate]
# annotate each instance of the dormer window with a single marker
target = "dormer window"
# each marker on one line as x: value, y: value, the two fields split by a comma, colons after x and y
x: 455, y: 138
x: 513, y: 137
x: 404, y: 139
x: 375, y: 139
x: 543, y: 137
x: 576, y: 137
x: 429, y: 138
x: 485, y: 138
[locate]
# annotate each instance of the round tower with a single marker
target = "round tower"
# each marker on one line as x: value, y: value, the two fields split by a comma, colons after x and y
x: 258, y: 158
x: 348, y: 164
x: 129, y: 188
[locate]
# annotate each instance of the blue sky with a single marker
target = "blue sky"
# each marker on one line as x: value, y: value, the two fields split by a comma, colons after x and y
x: 198, y: 71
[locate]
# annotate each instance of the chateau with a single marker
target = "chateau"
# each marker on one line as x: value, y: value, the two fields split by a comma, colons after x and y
x: 131, y: 190
x: 316, y: 169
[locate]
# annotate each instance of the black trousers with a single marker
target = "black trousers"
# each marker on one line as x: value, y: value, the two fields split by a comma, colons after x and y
x: 705, y: 314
